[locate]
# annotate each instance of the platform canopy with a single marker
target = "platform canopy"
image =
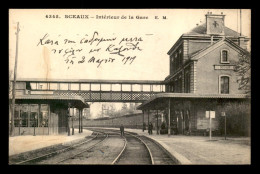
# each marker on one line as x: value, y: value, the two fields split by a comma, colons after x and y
x: 160, y: 101
x: 74, y: 101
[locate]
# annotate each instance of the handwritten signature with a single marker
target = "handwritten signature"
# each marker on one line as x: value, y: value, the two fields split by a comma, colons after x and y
x: 99, y: 49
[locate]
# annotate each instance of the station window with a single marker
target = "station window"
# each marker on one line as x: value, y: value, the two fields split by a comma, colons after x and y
x: 33, y: 121
x: 224, y: 85
x: 176, y: 62
x: 24, y: 119
x: 43, y: 117
x: 172, y: 63
x: 224, y: 56
x: 180, y: 57
x: 24, y: 115
x: 187, y: 82
x: 16, y: 115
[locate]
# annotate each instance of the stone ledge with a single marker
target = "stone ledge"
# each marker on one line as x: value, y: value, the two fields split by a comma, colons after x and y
x: 180, y: 159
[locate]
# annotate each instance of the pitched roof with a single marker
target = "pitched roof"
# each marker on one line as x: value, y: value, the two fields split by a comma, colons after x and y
x: 199, y: 32
x: 198, y: 53
x: 201, y: 29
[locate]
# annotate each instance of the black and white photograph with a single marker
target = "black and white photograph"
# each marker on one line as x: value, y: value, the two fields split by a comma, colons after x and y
x: 129, y: 87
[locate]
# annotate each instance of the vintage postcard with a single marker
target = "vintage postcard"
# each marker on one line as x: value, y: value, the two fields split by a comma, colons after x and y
x: 129, y: 86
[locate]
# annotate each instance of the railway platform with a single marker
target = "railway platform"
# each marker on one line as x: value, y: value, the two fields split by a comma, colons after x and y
x: 27, y: 143
x: 200, y: 150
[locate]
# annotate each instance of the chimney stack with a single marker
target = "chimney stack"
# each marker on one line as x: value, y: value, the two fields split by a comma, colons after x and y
x: 215, y: 24
x: 241, y: 42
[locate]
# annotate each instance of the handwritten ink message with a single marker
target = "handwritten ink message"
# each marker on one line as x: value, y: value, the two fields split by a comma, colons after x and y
x: 93, y: 48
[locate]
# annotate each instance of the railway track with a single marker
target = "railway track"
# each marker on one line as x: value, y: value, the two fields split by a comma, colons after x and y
x: 140, y: 150
x: 36, y: 159
x: 80, y: 151
x: 110, y: 151
x: 107, y: 147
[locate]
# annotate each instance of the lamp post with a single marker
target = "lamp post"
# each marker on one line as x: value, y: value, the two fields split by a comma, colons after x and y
x: 224, y: 115
x: 19, y: 122
x: 34, y: 125
x: 14, y: 82
x: 79, y: 119
x: 157, y: 130
x: 68, y: 119
x: 72, y: 122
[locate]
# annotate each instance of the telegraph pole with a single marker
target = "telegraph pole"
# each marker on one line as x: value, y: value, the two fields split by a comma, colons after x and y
x: 14, y: 82
x: 240, y: 22
x: 72, y: 121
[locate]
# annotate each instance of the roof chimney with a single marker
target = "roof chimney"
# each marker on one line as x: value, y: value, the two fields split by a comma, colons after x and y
x: 215, y: 24
x: 242, y: 43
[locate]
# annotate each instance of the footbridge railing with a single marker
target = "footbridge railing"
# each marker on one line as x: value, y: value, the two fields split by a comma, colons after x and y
x: 95, y: 90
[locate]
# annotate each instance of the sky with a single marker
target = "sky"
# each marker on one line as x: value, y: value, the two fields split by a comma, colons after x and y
x: 147, y: 61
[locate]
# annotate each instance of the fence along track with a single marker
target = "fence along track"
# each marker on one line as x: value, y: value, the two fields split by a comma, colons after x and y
x: 55, y: 152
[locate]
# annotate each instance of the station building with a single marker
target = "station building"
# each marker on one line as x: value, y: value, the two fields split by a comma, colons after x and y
x: 202, y: 78
x: 42, y: 113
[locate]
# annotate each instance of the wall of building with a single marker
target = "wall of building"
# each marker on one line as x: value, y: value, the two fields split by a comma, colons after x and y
x: 237, y: 111
x: 196, y: 45
x: 130, y: 121
x: 207, y: 78
x: 238, y: 117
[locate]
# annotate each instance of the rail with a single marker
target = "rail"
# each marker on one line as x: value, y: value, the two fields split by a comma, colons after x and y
x: 82, y: 150
x: 150, y: 153
x: 53, y: 153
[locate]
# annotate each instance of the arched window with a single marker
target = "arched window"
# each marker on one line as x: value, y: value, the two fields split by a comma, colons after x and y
x: 224, y: 56
x: 224, y: 85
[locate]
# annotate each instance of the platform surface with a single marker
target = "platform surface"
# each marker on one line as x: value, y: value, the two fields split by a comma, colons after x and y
x: 200, y: 150
x: 24, y: 143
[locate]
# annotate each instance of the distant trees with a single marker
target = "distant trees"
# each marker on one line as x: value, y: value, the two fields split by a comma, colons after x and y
x: 110, y: 110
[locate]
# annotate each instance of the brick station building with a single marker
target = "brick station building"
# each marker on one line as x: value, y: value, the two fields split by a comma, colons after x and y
x: 202, y: 78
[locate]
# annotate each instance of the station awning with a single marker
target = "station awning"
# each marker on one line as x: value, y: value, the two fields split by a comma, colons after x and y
x: 75, y: 101
x: 160, y: 101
